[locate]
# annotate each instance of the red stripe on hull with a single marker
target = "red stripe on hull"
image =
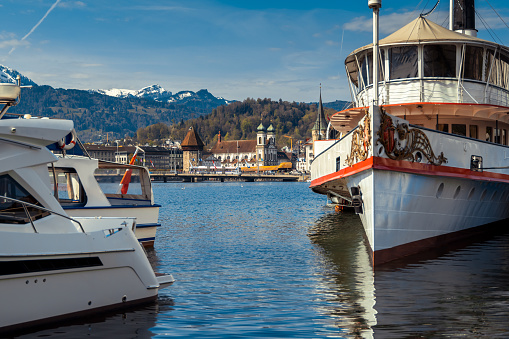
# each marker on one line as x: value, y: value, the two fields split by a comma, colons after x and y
x: 410, y: 167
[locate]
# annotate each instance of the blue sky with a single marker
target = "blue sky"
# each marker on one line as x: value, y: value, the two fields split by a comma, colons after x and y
x: 234, y: 48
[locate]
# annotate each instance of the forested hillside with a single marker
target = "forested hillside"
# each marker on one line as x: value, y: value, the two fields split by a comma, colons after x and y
x: 239, y: 120
x: 96, y: 114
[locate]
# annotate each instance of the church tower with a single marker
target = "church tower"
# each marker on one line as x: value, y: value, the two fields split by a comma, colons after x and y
x: 261, y: 140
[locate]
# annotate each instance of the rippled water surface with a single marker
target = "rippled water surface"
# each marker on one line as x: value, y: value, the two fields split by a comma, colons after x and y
x: 271, y: 260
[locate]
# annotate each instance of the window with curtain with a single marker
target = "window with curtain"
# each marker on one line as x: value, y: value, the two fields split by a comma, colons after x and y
x: 472, y: 67
x: 403, y: 62
x: 440, y: 61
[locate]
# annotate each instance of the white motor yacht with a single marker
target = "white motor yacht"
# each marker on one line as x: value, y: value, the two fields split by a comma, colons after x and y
x: 53, y: 266
x: 75, y: 183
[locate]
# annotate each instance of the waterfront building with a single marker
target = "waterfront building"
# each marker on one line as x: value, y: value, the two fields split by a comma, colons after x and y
x: 192, y: 148
x: 102, y: 152
x: 246, y: 153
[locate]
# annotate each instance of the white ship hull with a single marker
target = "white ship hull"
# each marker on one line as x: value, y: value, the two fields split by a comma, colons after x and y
x: 410, y: 206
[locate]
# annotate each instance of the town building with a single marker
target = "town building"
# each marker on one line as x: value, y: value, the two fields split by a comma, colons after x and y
x: 102, y: 152
x: 246, y: 153
x: 192, y: 148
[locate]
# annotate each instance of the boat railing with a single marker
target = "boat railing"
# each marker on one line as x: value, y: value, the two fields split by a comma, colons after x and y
x: 29, y: 216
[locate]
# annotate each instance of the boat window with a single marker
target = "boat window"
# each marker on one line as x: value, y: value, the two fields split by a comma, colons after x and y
x: 489, y: 133
x: 473, y: 63
x: 69, y: 188
x: 363, y: 74
x: 497, y: 136
x: 459, y: 129
x: 504, y: 71
x: 473, y: 131
x: 497, y: 66
x: 504, y: 137
x: 440, y: 61
x: 113, y: 181
x: 443, y: 128
x: 12, y: 212
x: 403, y: 62
x: 380, y: 65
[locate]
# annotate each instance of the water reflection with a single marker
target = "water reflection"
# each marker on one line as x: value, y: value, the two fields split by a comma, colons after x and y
x: 461, y: 290
x: 458, y: 290
x: 348, y: 282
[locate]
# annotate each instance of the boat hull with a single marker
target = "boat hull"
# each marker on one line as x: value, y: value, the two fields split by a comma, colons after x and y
x: 146, y: 218
x: 47, y: 277
x: 406, y: 213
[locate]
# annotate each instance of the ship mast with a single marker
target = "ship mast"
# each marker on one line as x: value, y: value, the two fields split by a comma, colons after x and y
x: 375, y: 5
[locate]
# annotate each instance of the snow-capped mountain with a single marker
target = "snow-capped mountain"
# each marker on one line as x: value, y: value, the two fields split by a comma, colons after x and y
x: 154, y: 92
x: 9, y: 75
x: 157, y: 93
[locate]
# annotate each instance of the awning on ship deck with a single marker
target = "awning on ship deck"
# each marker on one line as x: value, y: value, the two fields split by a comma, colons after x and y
x: 346, y: 120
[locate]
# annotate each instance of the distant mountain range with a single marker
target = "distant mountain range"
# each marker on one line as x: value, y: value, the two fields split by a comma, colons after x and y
x: 116, y: 112
x: 157, y: 93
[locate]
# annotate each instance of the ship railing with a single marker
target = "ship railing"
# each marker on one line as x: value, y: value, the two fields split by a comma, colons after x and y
x: 439, y: 89
x: 25, y: 206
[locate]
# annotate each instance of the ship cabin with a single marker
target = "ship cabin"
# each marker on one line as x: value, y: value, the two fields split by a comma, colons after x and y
x: 435, y: 78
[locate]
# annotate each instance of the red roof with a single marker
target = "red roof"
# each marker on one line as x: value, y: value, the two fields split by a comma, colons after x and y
x: 192, y: 141
x: 230, y: 146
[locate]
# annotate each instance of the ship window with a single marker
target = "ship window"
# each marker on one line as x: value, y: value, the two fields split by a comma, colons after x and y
x: 380, y: 65
x: 504, y: 71
x: 473, y: 131
x: 497, y: 66
x: 363, y: 74
x: 497, y: 136
x: 489, y: 133
x: 473, y: 63
x: 459, y: 129
x: 440, y: 61
x: 12, y: 212
x: 403, y: 62
x: 443, y: 128
x: 504, y: 137
x: 69, y: 189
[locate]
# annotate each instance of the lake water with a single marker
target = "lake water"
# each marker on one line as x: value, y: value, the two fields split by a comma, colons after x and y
x: 269, y: 259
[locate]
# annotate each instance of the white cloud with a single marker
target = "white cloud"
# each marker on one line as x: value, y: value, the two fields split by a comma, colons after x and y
x: 13, y: 43
x: 72, y: 4
x: 79, y: 76
x: 388, y: 23
x: 161, y: 8
x: 4, y: 35
x: 91, y: 65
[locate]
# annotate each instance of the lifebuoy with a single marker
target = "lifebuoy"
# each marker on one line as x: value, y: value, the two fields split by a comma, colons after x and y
x: 70, y: 145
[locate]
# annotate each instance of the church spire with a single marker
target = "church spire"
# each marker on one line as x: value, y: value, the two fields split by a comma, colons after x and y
x: 320, y: 126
